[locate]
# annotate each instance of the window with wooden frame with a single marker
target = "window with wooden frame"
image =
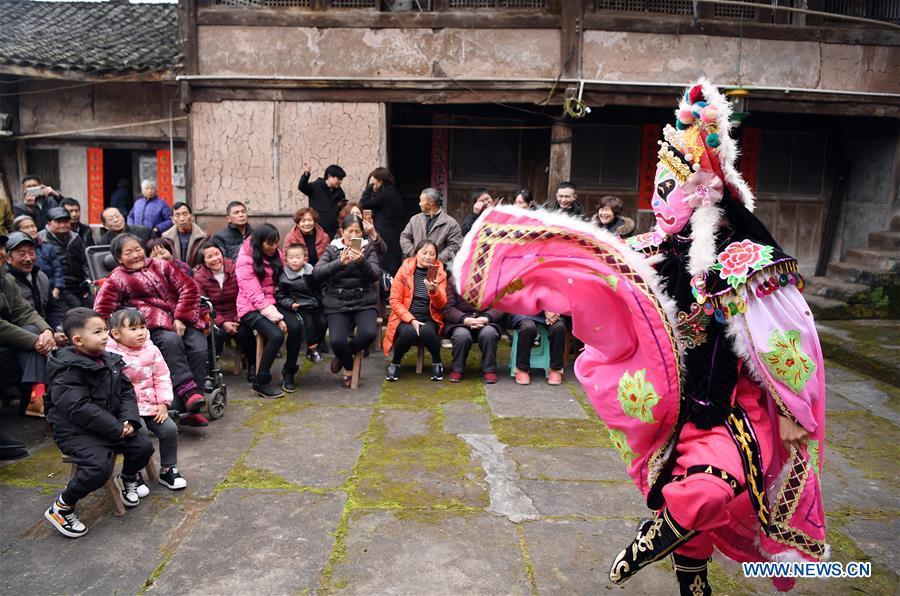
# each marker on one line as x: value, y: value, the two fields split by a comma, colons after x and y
x: 606, y: 155
x: 486, y: 153
x: 791, y: 163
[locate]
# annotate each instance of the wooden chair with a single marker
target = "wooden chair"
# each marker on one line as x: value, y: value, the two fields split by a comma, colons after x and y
x: 420, y: 359
x: 112, y: 491
x: 354, y: 374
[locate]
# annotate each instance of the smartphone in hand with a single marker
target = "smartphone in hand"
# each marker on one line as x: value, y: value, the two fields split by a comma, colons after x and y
x: 356, y: 244
x: 432, y: 273
x: 367, y: 214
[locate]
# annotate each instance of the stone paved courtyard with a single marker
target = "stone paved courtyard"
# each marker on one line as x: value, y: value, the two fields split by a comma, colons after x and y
x: 414, y: 488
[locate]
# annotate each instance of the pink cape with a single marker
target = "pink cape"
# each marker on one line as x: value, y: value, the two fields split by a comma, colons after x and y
x: 526, y: 262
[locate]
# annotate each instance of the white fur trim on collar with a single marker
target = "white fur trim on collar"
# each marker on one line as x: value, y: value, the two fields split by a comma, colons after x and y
x: 704, y: 227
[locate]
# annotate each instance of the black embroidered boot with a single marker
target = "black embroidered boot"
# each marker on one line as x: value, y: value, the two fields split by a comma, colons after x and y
x: 656, y: 539
x: 691, y: 574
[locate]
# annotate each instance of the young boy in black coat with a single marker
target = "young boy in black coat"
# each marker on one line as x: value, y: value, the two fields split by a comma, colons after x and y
x: 94, y: 415
x: 298, y: 292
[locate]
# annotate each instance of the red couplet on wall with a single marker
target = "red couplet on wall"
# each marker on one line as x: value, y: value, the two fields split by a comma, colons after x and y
x: 164, y: 175
x: 649, y: 149
x: 94, y: 184
x: 440, y: 153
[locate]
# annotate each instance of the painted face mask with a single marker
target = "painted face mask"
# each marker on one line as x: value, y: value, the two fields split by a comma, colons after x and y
x: 685, y: 179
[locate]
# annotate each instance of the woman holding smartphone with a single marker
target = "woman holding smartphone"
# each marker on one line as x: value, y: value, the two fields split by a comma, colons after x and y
x: 418, y: 295
x: 348, y: 270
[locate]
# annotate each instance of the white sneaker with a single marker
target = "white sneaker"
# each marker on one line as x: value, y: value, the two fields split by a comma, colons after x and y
x: 65, y: 520
x: 128, y: 489
x: 172, y: 479
x: 142, y: 490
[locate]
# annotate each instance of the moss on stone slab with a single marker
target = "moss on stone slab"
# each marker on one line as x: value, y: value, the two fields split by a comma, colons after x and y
x: 868, y: 442
x: 416, y: 391
x: 544, y: 432
x: 42, y: 469
x: 722, y: 581
x: 430, y: 471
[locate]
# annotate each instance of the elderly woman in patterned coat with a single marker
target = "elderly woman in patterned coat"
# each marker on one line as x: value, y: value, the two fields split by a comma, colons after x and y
x: 170, y: 301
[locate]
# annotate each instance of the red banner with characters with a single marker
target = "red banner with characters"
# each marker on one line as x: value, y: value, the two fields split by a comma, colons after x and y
x: 647, y: 172
x: 164, y: 175
x: 94, y: 184
x: 440, y: 153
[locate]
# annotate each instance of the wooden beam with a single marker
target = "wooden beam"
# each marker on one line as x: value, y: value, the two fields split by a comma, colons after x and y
x: 420, y: 96
x: 76, y: 75
x: 472, y: 19
x: 187, y: 36
x: 571, y: 38
x: 660, y: 24
x: 560, y: 156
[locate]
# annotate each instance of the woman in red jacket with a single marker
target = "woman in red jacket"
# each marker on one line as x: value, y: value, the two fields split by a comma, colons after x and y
x: 417, y: 300
x: 215, y: 276
x: 170, y: 302
x: 309, y: 233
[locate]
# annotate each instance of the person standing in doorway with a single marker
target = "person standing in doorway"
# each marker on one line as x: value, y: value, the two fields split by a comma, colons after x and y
x: 151, y: 210
x: 325, y: 195
x: 121, y: 198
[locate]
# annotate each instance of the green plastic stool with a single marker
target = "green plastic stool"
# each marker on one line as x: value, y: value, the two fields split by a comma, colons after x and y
x: 540, y: 355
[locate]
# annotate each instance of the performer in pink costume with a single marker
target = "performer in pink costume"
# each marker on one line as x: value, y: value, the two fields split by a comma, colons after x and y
x: 701, y: 356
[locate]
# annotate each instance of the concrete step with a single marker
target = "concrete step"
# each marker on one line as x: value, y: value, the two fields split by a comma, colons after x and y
x: 895, y: 223
x: 835, y: 289
x: 856, y: 273
x: 885, y: 240
x: 875, y: 258
x: 826, y: 309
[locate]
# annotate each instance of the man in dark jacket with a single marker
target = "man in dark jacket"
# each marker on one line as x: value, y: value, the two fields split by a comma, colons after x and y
x: 463, y: 324
x: 383, y: 199
x: 71, y: 254
x: 25, y: 341
x: 325, y: 195
x: 83, y: 230
x: 93, y: 411
x: 34, y: 285
x: 37, y: 200
x: 567, y: 201
x: 114, y: 222
x: 236, y: 230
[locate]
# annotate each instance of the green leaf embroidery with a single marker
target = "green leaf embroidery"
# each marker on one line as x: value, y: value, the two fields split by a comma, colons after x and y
x: 621, y: 444
x: 638, y: 395
x: 813, y: 448
x: 786, y: 361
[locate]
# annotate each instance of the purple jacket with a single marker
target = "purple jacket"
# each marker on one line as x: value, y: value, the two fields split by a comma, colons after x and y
x: 154, y: 213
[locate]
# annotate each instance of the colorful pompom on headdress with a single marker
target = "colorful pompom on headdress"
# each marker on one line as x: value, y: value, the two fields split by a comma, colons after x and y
x: 701, y: 141
x: 696, y: 172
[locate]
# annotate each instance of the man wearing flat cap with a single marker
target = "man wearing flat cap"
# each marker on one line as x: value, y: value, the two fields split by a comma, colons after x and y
x: 25, y: 341
x: 70, y: 246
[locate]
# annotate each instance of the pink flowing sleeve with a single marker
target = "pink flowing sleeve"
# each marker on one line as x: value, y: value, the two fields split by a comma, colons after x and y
x: 527, y: 262
x: 777, y: 339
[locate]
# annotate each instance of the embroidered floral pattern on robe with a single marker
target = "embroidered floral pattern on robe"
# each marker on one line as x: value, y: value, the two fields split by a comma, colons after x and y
x: 786, y: 361
x: 638, y: 396
x: 739, y: 259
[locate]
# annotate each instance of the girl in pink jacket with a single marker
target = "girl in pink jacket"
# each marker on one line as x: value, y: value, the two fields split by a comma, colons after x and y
x: 147, y: 371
